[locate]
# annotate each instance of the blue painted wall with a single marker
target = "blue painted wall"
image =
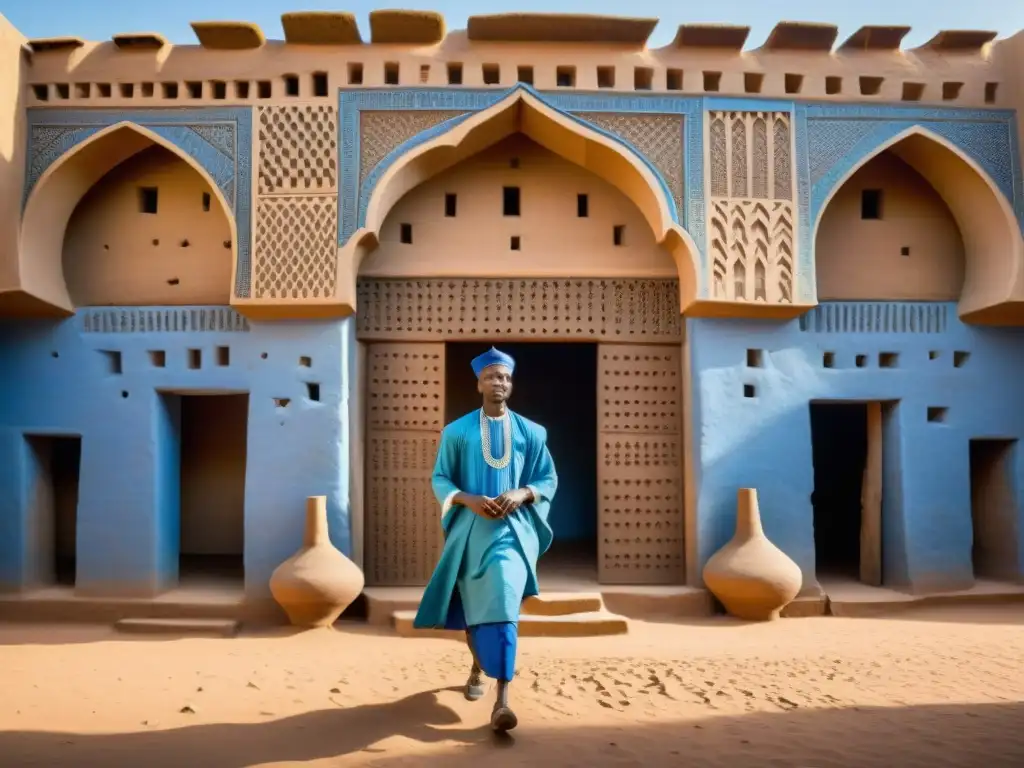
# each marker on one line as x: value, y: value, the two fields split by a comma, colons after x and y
x: 57, y: 381
x: 765, y: 441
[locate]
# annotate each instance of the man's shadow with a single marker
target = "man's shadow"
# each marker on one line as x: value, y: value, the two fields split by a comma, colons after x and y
x: 312, y: 735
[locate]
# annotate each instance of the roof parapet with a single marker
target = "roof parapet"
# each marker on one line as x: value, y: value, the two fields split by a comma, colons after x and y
x: 560, y: 28
x: 802, y: 36
x: 139, y: 41
x: 727, y: 36
x: 228, y: 35
x: 406, y: 27
x: 960, y: 40
x: 45, y: 44
x: 320, y: 28
x: 870, y: 38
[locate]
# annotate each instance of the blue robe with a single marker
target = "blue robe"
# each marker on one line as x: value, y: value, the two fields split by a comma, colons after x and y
x: 488, y: 567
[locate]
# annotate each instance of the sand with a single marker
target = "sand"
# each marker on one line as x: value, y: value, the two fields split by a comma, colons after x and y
x: 940, y: 687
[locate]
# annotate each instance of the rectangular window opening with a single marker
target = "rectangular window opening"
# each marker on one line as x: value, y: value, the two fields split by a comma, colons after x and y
x: 753, y: 82
x: 291, y: 85
x: 991, y: 92
x: 794, y: 83
x: 313, y: 391
x: 937, y: 414
x: 871, y: 204
x: 510, y: 201
x: 951, y: 91
x: 355, y: 73
x: 41, y: 91
x: 491, y: 74
x: 712, y: 81
x: 206, y: 202
x: 158, y: 358
x: 391, y: 71
x: 871, y: 86
x: 148, y: 199
x: 833, y: 85
x: 405, y: 234
x: 643, y: 78
x: 264, y: 89
x: 674, y: 80
x: 450, y: 204
x: 220, y: 89
x: 582, y: 206
x: 223, y: 356
x: 454, y: 74
x: 565, y: 76
x: 524, y: 74
x: 104, y: 89
x: 195, y: 89
x: 168, y: 90
x: 321, y: 84
x: 195, y: 359
x: 619, y: 234
x: 913, y: 91
x: 606, y: 77
x: 514, y: 243
x: 241, y: 89
x: 424, y: 73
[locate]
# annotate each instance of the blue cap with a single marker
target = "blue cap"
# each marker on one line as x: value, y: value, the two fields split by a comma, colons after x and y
x: 492, y: 357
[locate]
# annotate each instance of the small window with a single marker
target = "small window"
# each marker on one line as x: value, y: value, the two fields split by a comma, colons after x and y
x: 619, y: 234
x: 424, y: 73
x: 291, y: 85
x: 41, y: 91
x: 264, y: 89
x: 833, y: 85
x: 871, y: 204
x: 712, y: 81
x: 524, y: 75
x: 104, y: 89
x: 450, y: 203
x: 749, y: 390
x: 606, y: 77
x: 937, y: 414
x: 147, y: 90
x: 828, y: 360
x: 455, y: 74
x: 582, y: 206
x: 674, y: 80
x: 406, y: 234
x: 794, y: 83
x: 510, y: 201
x: 148, y: 199
x: 220, y: 89
x: 951, y: 91
x: 82, y: 90
x: 64, y: 90
x: 206, y: 201
x: 514, y: 243
x: 321, y: 85
x: 128, y: 90
x: 913, y: 91
x: 355, y: 73
x: 391, y: 73
x: 241, y: 89
x: 195, y: 89
x: 169, y: 90
x: 905, y: 250
x: 753, y: 82
x: 991, y: 92
x: 565, y: 77
x: 871, y: 86
x: 492, y: 74
x: 643, y: 78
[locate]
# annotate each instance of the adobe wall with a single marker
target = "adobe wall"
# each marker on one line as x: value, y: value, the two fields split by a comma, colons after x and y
x: 756, y: 429
x: 58, y: 379
x: 13, y: 87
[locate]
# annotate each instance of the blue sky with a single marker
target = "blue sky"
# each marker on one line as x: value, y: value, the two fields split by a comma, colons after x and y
x: 99, y: 19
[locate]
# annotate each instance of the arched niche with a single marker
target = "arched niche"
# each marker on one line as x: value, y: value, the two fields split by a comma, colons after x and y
x: 59, y: 190
x: 522, y: 112
x: 943, y: 179
x: 570, y: 222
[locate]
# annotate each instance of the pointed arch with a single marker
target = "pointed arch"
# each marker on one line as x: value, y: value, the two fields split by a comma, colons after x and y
x: 524, y: 111
x: 60, y: 188
x: 993, y: 286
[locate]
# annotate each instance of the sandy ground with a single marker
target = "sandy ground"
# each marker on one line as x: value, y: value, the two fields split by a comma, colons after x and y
x: 931, y: 688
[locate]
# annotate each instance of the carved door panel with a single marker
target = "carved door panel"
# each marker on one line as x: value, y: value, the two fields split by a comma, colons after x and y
x: 640, y: 464
x: 404, y: 419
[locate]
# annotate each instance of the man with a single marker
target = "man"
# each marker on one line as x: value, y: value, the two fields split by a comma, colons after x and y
x: 494, y: 479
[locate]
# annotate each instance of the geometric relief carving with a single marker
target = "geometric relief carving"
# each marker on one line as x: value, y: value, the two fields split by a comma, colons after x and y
x: 640, y: 468
x: 751, y: 234
x: 381, y: 131
x: 404, y: 417
x: 296, y: 247
x: 658, y: 137
x: 298, y: 149
x: 428, y: 309
x: 752, y: 250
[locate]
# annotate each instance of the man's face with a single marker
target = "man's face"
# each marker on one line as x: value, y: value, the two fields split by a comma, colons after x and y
x: 495, y: 384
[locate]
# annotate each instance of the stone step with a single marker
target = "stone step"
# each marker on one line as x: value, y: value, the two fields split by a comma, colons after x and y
x: 563, y: 603
x: 592, y: 624
x: 192, y: 627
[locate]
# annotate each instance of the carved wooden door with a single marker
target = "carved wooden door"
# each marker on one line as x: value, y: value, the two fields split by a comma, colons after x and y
x: 640, y: 464
x: 404, y: 419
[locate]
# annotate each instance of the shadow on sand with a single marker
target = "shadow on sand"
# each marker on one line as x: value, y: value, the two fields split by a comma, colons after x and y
x: 947, y: 735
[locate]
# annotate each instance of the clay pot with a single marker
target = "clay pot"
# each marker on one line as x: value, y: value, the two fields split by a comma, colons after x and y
x: 752, y: 577
x: 318, y: 582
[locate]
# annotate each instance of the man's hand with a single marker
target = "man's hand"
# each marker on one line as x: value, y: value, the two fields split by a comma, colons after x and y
x: 510, y: 501
x: 484, y: 506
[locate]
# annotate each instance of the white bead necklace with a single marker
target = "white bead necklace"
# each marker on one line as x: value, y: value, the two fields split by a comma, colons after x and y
x: 485, y: 440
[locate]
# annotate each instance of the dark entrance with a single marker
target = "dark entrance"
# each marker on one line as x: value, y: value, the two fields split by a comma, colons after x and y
x: 53, y: 511
x: 555, y: 385
x: 206, y: 453
x: 839, y: 436
x: 993, y: 509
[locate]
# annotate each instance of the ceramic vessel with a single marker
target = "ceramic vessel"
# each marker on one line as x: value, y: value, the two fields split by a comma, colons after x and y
x: 752, y: 577
x: 318, y: 582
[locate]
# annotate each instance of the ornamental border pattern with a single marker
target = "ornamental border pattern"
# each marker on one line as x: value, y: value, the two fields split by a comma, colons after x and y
x: 831, y: 139
x: 353, y: 199
x: 220, y: 140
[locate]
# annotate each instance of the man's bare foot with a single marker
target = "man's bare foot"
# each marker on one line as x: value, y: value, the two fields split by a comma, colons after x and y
x: 475, y: 687
x: 503, y: 719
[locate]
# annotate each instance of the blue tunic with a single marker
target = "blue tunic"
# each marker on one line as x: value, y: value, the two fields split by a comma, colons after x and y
x: 488, y: 566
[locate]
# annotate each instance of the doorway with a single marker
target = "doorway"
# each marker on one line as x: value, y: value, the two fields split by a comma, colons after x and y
x: 555, y: 385
x: 54, y: 469
x: 993, y: 509
x: 846, y: 440
x: 204, y: 488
